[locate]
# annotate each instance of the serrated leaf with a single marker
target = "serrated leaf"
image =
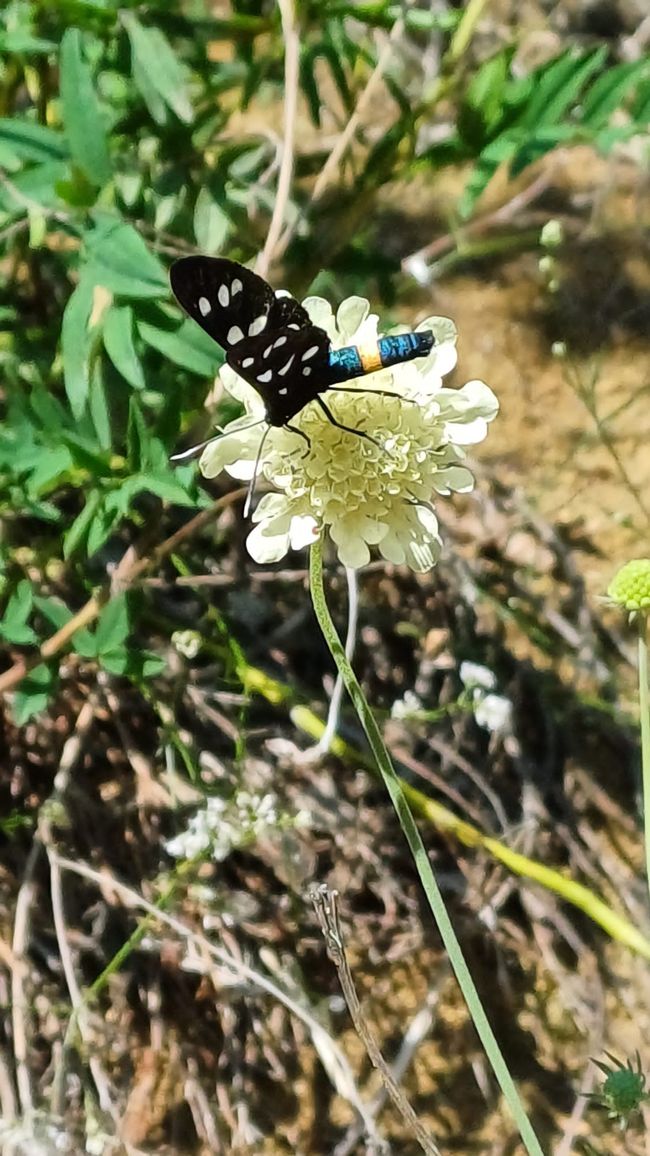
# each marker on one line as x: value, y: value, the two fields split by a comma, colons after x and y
x: 186, y: 346
x: 82, y: 118
x: 154, y: 59
x: 211, y: 223
x: 113, y: 624
x: 120, y: 261
x: 75, y: 343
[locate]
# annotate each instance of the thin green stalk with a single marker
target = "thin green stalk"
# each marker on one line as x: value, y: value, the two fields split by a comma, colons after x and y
x: 644, y: 703
x: 427, y: 878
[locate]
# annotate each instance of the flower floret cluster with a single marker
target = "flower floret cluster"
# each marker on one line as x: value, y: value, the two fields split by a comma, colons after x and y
x: 374, y: 492
x: 224, y: 825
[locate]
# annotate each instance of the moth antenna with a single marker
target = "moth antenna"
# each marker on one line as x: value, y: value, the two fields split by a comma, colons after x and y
x: 194, y: 450
x: 251, y: 484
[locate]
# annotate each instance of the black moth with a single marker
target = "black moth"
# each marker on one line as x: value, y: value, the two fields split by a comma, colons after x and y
x: 271, y: 342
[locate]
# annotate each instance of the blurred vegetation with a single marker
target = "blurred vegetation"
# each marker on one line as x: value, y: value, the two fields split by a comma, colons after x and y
x: 131, y: 134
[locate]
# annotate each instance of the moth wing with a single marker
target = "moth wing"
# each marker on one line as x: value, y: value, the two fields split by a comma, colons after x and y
x: 288, y: 367
x: 230, y: 303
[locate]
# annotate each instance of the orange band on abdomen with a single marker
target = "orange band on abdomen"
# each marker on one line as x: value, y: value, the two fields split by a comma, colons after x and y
x: 370, y: 358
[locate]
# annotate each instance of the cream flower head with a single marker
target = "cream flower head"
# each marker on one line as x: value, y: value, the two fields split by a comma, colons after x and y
x: 365, y: 493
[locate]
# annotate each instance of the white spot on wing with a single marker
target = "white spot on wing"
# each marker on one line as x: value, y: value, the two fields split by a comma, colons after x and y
x: 236, y: 286
x: 247, y: 362
x: 204, y: 306
x: 258, y: 325
x: 309, y: 352
x: 280, y: 341
x: 267, y: 351
x: 234, y: 335
x: 293, y: 325
x: 284, y: 391
x: 264, y: 377
x: 223, y: 296
x: 287, y: 366
x: 306, y: 371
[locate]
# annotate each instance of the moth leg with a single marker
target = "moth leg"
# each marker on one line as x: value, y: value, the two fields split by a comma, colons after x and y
x: 301, y: 433
x: 361, y: 433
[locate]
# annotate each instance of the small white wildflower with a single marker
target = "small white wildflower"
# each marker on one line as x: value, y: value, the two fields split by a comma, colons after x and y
x: 223, y: 825
x: 364, y: 494
x: 473, y: 674
x: 187, y: 642
x: 407, y: 706
x: 493, y: 712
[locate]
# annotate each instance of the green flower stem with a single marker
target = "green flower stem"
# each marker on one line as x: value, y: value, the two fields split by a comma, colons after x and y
x: 418, y: 851
x: 644, y: 704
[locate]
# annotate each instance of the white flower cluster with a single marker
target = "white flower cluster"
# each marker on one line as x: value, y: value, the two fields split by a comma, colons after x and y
x: 226, y: 824
x: 364, y: 492
x: 492, y: 711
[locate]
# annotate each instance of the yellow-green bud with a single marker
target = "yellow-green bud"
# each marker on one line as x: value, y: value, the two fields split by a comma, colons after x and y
x: 630, y: 589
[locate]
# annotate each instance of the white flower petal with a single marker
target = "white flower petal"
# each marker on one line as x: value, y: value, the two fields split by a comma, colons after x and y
x: 265, y: 547
x: 350, y: 315
x: 222, y: 453
x: 321, y: 313
x: 303, y: 531
x: 456, y: 478
x: 353, y: 552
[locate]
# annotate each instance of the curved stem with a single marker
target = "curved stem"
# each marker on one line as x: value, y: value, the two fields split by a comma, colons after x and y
x: 324, y: 743
x: 414, y: 840
x: 644, y: 705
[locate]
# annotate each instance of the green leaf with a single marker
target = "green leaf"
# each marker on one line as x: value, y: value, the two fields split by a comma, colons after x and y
x: 558, y: 86
x: 19, y: 40
x: 52, y: 464
x: 81, y: 113
x: 211, y: 223
x: 137, y: 436
x: 482, y: 108
x: 75, y: 344
x: 187, y: 346
x: 113, y: 625
x: 154, y: 61
x: 608, y: 92
x: 101, y: 527
x: 33, y: 142
x: 117, y: 334
x: 115, y: 661
x: 13, y: 625
x: 98, y: 405
x: 120, y: 261
x: 167, y: 488
x: 34, y: 693
x: 54, y: 610
x: 78, y: 531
